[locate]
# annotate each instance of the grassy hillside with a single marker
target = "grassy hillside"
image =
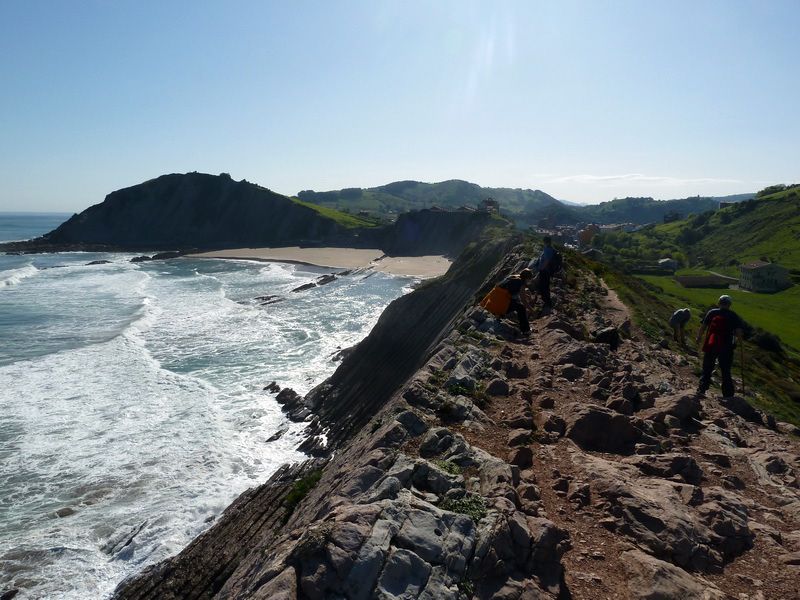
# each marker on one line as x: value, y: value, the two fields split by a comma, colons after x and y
x: 644, y: 210
x: 764, y: 228
x: 767, y: 311
x: 341, y: 218
x: 526, y: 207
x: 768, y: 227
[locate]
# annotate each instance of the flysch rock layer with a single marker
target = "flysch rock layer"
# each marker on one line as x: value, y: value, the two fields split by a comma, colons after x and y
x: 574, y: 464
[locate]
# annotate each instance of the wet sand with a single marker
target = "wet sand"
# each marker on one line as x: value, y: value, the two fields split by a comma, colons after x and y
x: 421, y: 267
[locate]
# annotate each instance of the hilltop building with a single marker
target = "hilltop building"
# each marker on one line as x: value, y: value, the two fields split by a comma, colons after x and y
x: 491, y: 205
x: 668, y: 264
x: 760, y: 276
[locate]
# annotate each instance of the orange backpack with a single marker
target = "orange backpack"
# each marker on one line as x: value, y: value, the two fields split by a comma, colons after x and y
x: 497, y: 301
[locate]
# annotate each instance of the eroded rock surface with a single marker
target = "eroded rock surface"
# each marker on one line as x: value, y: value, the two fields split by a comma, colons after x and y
x: 570, y: 465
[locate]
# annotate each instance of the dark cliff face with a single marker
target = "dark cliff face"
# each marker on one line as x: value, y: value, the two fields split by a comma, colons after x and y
x: 194, y: 210
x: 399, y: 343
x: 433, y: 232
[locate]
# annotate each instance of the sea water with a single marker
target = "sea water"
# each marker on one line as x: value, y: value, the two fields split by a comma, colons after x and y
x: 132, y: 408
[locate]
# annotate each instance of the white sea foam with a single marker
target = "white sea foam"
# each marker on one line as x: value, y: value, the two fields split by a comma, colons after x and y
x: 14, y: 276
x: 140, y: 407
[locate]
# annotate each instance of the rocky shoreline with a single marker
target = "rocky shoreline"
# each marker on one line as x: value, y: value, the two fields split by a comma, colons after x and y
x: 457, y: 461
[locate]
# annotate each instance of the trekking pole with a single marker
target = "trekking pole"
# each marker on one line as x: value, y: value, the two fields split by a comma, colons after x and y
x: 742, y: 368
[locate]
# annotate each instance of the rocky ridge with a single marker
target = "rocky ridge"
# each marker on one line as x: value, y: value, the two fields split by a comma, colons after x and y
x: 554, y: 467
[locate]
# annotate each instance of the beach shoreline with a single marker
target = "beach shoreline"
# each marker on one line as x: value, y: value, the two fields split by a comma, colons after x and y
x: 420, y: 267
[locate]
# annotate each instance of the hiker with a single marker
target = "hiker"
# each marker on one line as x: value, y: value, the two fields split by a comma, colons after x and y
x: 517, y: 286
x: 547, y: 265
x: 678, y: 322
x: 723, y: 326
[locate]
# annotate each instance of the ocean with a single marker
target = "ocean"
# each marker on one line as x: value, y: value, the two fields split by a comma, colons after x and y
x: 132, y: 408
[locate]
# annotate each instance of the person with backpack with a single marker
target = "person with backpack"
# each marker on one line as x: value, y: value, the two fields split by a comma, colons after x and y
x: 722, y: 327
x: 517, y: 286
x: 678, y: 322
x: 548, y: 264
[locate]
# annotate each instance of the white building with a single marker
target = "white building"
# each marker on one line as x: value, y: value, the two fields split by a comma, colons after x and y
x: 668, y: 263
x: 760, y: 276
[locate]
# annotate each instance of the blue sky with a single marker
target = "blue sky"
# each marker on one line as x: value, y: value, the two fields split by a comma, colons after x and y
x: 584, y: 100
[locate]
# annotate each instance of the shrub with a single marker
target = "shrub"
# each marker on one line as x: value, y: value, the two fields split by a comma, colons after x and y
x: 300, y: 490
x: 472, y: 505
x: 767, y: 341
x: 448, y: 466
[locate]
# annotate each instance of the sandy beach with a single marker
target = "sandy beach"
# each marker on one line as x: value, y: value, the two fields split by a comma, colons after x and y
x: 422, y: 267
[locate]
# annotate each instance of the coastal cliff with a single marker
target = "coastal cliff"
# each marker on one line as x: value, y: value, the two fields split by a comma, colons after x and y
x: 576, y: 464
x: 192, y: 210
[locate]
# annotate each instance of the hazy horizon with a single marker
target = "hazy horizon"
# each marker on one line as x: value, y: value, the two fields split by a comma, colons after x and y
x: 583, y: 101
x: 565, y: 200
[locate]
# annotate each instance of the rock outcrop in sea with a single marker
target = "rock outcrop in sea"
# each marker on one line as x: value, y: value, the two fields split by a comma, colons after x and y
x: 452, y: 459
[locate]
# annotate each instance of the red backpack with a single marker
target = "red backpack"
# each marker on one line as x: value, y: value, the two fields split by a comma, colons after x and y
x: 717, y: 338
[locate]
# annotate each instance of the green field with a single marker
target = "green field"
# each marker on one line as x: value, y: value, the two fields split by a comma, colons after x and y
x: 776, y: 313
x: 343, y: 219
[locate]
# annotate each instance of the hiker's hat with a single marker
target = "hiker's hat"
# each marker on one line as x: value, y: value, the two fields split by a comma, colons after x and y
x: 725, y: 299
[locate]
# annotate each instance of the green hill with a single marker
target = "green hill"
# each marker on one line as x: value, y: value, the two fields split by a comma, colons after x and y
x: 648, y: 210
x: 767, y: 227
x: 527, y: 207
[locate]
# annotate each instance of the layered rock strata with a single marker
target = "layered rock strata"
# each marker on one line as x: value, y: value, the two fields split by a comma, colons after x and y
x: 555, y: 467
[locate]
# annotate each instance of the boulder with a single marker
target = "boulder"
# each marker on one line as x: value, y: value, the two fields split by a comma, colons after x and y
x: 668, y: 465
x: 281, y: 587
x: 521, y: 457
x: 516, y: 370
x: 523, y: 419
x: 273, y: 388
x: 787, y: 428
x: 554, y: 424
x: 595, y: 428
x: 699, y: 530
x: 741, y: 407
x: 325, y: 279
x: 573, y: 354
x: 412, y: 422
x: 607, y: 335
x: 519, y: 437
x: 404, y: 575
x: 620, y: 405
x: 436, y: 442
x: 304, y: 287
x: 570, y: 372
x: 649, y: 578
x: 498, y: 387
x: 682, y: 405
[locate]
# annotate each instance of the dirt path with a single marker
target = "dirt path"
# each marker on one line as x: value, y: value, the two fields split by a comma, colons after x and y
x: 738, y: 459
